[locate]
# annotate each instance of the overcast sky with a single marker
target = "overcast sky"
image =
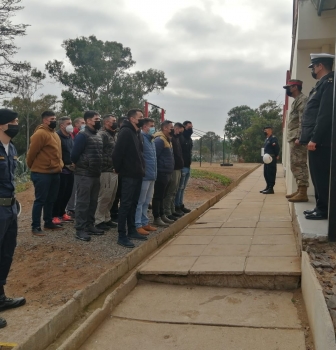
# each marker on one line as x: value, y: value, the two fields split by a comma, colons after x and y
x: 216, y: 54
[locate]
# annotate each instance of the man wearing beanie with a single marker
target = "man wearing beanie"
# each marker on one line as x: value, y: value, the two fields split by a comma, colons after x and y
x: 8, y: 210
x: 44, y: 158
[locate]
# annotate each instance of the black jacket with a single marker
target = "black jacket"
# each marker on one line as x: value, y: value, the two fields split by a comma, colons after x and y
x: 178, y: 156
x: 317, y: 115
x: 109, y: 140
x: 127, y: 155
x: 186, y: 145
x: 7, y: 170
x: 66, y: 144
x: 271, y: 146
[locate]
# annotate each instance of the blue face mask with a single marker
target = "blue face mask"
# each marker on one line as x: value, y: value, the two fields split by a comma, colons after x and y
x: 151, y: 131
x: 82, y: 127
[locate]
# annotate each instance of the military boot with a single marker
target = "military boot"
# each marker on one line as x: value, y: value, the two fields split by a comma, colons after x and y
x: 292, y: 194
x: 301, y: 196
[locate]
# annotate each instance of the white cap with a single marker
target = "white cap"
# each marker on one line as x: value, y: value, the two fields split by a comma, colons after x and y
x: 318, y: 57
x: 267, y: 158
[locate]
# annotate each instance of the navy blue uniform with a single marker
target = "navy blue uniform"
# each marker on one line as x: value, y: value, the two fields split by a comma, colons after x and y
x: 8, y: 214
x: 271, y: 146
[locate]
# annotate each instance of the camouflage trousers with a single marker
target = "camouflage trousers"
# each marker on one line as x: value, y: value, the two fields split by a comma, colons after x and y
x: 298, y: 163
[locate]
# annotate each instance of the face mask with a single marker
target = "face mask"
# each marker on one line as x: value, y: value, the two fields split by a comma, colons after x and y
x: 140, y: 123
x: 171, y: 132
x: 82, y: 127
x: 265, y: 133
x: 188, y: 132
x: 69, y: 129
x: 114, y: 126
x: 288, y: 92
x: 97, y: 124
x: 314, y: 75
x: 151, y: 130
x: 12, y: 130
x: 52, y: 124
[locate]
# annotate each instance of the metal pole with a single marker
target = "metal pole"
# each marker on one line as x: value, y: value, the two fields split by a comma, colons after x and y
x: 332, y: 186
x: 146, y: 109
x: 210, y: 151
x: 224, y: 150
x: 200, y: 152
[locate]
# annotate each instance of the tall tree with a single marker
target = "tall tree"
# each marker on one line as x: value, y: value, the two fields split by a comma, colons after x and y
x: 101, y: 77
x: 8, y: 32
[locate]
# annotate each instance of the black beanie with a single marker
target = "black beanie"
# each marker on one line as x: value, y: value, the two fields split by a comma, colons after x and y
x: 7, y: 115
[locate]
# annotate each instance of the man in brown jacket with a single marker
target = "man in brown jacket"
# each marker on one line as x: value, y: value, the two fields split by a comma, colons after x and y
x: 44, y: 158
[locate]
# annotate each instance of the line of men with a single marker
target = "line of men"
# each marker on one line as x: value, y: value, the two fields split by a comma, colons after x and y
x: 309, y: 127
x: 80, y: 175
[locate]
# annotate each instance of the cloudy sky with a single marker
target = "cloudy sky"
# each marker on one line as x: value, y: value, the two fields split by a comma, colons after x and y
x: 216, y: 54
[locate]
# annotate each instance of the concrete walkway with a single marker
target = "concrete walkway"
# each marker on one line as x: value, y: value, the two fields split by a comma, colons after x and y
x: 245, y: 240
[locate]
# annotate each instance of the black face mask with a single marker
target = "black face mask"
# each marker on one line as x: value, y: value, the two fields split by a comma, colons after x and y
x: 288, y: 92
x: 265, y: 133
x: 140, y: 123
x: 171, y: 133
x: 52, y: 124
x: 188, y: 132
x: 314, y: 75
x: 97, y: 124
x: 114, y: 126
x: 12, y: 130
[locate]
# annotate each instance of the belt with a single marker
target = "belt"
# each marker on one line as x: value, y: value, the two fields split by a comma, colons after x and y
x: 7, y: 202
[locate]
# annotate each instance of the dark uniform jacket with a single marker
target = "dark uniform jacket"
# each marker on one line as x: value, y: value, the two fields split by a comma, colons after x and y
x: 187, y: 145
x: 66, y: 144
x: 109, y: 140
x: 87, y: 153
x: 317, y: 115
x: 127, y: 155
x: 177, y: 150
x: 7, y: 170
x: 271, y: 146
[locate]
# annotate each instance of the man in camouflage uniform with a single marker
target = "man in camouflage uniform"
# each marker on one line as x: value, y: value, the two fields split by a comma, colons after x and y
x: 298, y: 153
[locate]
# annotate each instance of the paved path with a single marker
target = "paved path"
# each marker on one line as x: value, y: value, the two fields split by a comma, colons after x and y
x: 246, y: 234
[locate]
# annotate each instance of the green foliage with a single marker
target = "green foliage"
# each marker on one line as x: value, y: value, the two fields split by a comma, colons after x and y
x: 155, y: 114
x: 22, y: 175
x: 203, y: 174
x: 101, y: 77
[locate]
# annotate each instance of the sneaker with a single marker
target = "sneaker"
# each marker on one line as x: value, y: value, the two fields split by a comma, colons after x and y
x: 142, y: 231
x: 172, y: 217
x: 10, y: 303
x: 149, y: 228
x: 135, y: 235
x: 3, y: 323
x: 71, y: 213
x: 53, y: 227
x: 83, y: 236
x: 56, y: 221
x: 67, y: 218
x: 111, y: 224
x: 178, y: 211
x: 178, y: 215
x: 159, y: 222
x: 37, y: 231
x: 125, y: 242
x: 185, y: 210
x: 150, y: 206
x: 102, y: 226
x: 92, y: 230
x: 166, y: 220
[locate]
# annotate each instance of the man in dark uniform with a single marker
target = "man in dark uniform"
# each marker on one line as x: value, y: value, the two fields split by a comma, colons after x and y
x: 316, y: 131
x: 271, y: 146
x: 8, y: 210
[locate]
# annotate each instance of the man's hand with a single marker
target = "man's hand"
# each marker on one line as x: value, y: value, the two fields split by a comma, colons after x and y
x: 297, y: 142
x: 277, y: 157
x: 311, y: 146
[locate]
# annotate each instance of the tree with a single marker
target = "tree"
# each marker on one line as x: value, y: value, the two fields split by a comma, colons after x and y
x: 101, y: 77
x: 8, y: 32
x: 239, y: 120
x: 155, y: 114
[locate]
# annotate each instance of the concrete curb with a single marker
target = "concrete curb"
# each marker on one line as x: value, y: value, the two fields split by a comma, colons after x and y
x: 318, y: 315
x: 68, y: 313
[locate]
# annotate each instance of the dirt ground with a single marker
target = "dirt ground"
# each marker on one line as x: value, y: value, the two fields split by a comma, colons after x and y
x: 49, y: 270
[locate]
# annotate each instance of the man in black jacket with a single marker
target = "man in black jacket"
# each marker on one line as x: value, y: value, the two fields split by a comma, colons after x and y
x: 129, y: 163
x: 187, y: 145
x: 316, y: 131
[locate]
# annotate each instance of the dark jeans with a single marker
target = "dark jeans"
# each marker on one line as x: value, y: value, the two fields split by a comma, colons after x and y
x: 270, y: 171
x: 319, y: 166
x: 87, y: 199
x: 8, y: 233
x: 64, y: 194
x: 160, y: 192
x: 46, y: 191
x: 115, y: 206
x: 130, y: 193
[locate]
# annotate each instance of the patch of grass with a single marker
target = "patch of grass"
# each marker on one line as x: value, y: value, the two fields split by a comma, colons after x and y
x: 22, y: 186
x: 203, y: 174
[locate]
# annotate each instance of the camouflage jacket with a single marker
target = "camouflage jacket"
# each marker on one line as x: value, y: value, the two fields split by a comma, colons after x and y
x: 295, y: 118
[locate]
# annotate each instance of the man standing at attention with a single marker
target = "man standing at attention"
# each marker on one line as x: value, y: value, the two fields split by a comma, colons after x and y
x: 298, y: 153
x: 108, y: 177
x: 316, y: 131
x: 44, y: 158
x: 8, y: 210
x: 129, y: 163
x: 87, y: 155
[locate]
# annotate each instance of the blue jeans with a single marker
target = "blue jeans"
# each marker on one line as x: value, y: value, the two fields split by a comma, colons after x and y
x: 185, y: 175
x: 146, y: 195
x: 46, y: 192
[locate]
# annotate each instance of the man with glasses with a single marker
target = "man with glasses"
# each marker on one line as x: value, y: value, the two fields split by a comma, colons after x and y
x: 298, y: 153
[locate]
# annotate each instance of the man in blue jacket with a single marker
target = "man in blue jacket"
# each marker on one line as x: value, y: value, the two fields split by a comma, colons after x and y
x: 147, y: 187
x: 165, y: 168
